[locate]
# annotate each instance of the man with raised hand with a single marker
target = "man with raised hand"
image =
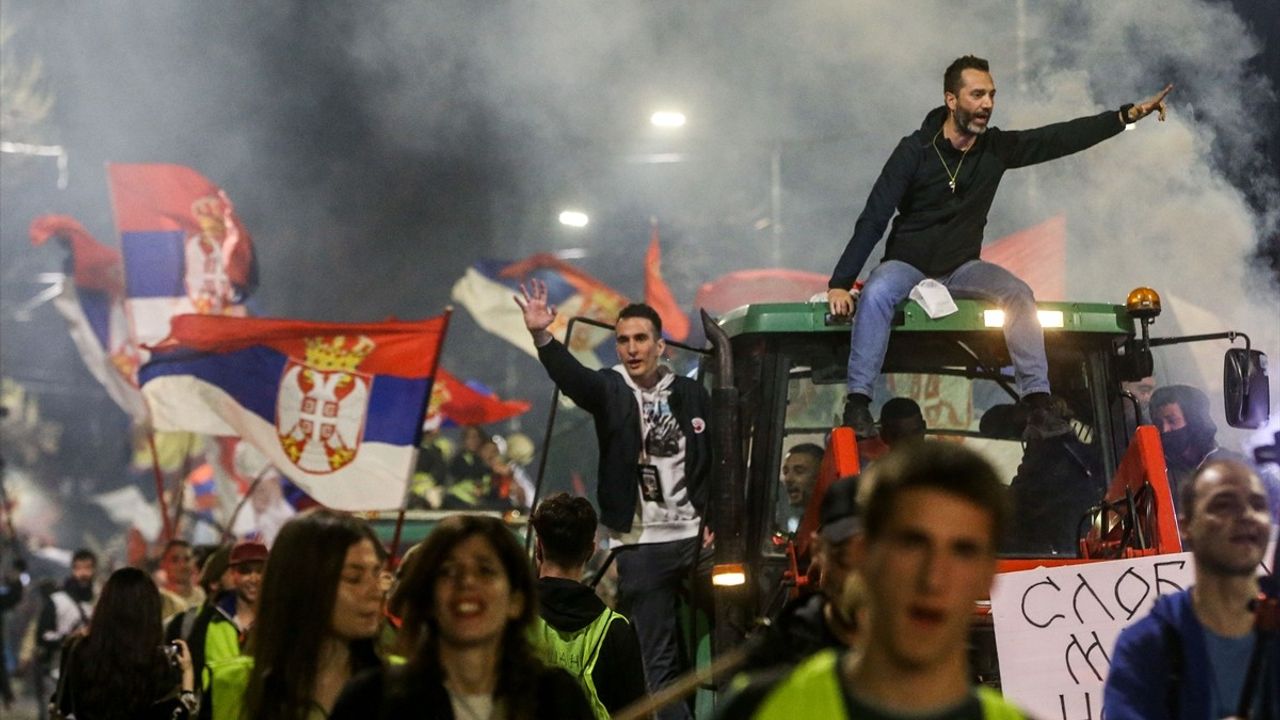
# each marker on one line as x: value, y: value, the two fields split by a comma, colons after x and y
x: 655, y: 460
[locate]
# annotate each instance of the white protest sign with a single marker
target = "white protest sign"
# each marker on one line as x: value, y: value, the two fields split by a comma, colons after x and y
x: 1056, y: 627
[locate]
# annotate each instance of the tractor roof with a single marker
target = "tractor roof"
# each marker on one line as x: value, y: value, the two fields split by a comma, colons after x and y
x: 971, y: 315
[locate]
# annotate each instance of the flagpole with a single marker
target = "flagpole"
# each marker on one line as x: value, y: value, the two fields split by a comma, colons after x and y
x: 159, y: 475
x: 229, y: 531
x: 417, y: 435
x: 180, y: 487
x: 133, y: 339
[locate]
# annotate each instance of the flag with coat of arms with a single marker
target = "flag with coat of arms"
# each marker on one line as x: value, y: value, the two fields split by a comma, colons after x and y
x: 185, y: 249
x: 336, y: 407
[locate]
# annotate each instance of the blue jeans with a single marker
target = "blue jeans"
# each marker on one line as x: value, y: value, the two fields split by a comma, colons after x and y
x: 891, y: 282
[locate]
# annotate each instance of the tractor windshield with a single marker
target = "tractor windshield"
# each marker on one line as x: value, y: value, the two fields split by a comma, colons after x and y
x: 963, y: 385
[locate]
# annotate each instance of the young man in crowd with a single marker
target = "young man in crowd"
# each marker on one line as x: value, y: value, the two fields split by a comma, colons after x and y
x: 1188, y: 658
x: 655, y: 458
x: 582, y: 635
x: 179, y: 591
x: 67, y: 610
x: 220, y: 630
x: 932, y: 521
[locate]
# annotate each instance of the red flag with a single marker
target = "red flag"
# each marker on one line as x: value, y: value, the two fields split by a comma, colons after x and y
x: 755, y: 286
x: 452, y: 399
x: 1037, y: 254
x: 94, y: 266
x: 658, y: 295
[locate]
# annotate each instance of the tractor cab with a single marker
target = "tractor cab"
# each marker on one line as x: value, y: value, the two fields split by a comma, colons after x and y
x: 776, y: 373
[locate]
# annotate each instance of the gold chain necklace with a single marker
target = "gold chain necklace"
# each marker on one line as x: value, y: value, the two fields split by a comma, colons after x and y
x: 951, y: 176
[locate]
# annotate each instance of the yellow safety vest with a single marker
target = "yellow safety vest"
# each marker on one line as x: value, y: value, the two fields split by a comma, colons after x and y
x: 813, y: 690
x: 577, y: 652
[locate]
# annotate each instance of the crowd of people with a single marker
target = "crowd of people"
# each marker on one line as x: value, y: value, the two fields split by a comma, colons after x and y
x: 470, y: 626
x: 486, y: 472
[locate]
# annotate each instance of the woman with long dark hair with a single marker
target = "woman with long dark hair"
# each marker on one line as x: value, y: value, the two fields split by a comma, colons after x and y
x: 320, y: 608
x: 468, y: 600
x: 121, y: 668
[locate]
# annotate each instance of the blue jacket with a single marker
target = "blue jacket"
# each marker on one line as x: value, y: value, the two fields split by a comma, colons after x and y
x: 1144, y: 664
x: 1160, y: 668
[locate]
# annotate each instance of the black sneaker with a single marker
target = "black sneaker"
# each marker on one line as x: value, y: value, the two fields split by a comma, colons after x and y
x: 857, y: 415
x: 1046, y: 419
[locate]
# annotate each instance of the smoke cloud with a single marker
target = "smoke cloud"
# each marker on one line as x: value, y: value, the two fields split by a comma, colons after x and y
x: 376, y: 150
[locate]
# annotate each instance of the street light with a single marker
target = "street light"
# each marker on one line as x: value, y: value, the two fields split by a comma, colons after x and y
x: 574, y: 218
x: 667, y: 119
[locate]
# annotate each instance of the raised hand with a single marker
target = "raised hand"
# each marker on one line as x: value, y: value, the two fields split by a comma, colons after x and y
x: 538, y: 315
x: 1150, y: 105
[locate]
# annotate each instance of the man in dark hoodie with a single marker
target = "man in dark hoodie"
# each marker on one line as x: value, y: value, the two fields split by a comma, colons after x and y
x: 595, y: 644
x: 1188, y: 434
x: 655, y: 459
x: 1189, y: 657
x: 941, y: 181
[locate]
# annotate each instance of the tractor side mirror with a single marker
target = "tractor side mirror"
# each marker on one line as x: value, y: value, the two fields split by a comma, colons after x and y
x: 1246, y: 394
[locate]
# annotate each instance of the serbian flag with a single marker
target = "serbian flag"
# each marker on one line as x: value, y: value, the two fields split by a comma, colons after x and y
x: 185, y: 250
x: 459, y: 403
x: 93, y: 305
x: 658, y: 295
x: 488, y: 286
x: 336, y: 407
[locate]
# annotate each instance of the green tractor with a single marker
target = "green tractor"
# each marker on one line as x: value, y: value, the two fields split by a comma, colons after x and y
x: 777, y: 378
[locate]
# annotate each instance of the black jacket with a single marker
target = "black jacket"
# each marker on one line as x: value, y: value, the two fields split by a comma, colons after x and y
x: 610, y: 400
x: 799, y: 631
x: 380, y: 693
x: 569, y: 606
x: 938, y: 230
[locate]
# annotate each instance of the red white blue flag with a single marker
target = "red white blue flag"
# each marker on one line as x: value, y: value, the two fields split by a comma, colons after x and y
x: 92, y: 301
x: 336, y: 407
x: 488, y: 286
x: 185, y: 250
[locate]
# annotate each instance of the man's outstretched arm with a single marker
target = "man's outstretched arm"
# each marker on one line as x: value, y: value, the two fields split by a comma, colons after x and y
x: 1019, y: 148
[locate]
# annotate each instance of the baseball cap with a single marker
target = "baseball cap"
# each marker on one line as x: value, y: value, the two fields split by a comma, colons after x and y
x: 839, y: 512
x: 248, y: 551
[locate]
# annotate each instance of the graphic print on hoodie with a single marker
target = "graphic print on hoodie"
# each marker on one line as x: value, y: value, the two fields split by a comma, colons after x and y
x: 663, y: 513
